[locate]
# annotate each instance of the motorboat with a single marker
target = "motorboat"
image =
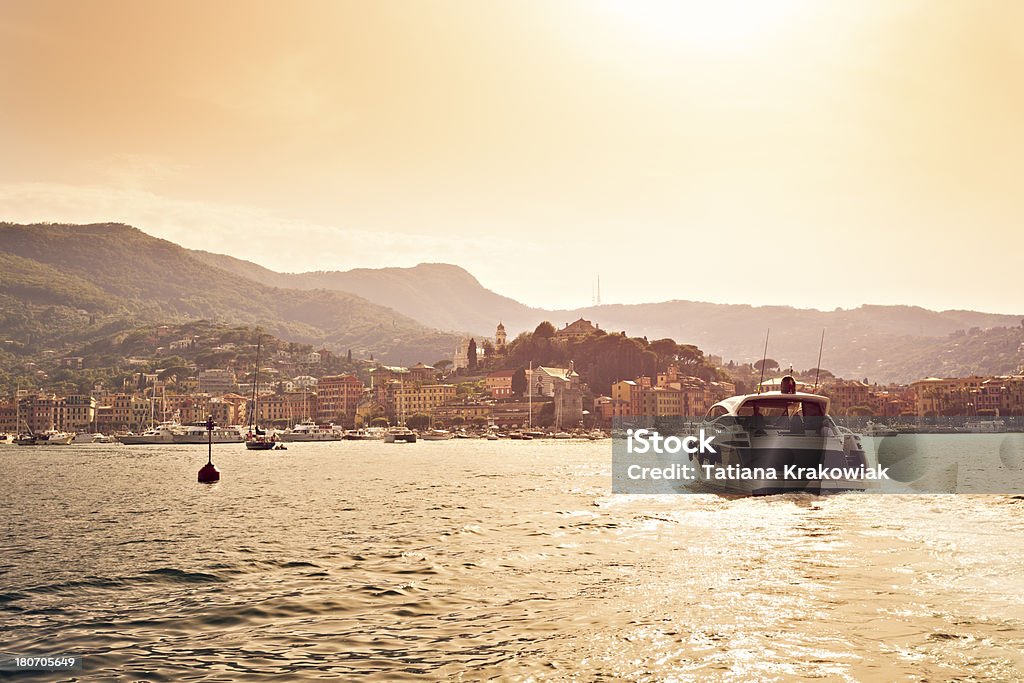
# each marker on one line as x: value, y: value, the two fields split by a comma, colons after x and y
x: 162, y: 433
x: 775, y: 442
x: 878, y: 429
x: 985, y: 426
x: 437, y: 435
x: 309, y: 430
x: 198, y: 433
x: 51, y: 437
x: 93, y: 437
x: 365, y: 434
x: 399, y: 435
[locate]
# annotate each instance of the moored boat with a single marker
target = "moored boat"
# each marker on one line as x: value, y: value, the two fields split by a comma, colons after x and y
x: 399, y: 435
x: 51, y: 437
x: 257, y: 439
x: 93, y: 437
x: 365, y: 434
x: 198, y: 433
x: 309, y: 430
x: 162, y: 433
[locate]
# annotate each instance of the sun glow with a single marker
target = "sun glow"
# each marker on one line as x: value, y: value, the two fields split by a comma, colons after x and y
x: 708, y: 25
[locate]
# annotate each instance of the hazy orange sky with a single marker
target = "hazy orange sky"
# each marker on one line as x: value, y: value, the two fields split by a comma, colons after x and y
x: 680, y: 149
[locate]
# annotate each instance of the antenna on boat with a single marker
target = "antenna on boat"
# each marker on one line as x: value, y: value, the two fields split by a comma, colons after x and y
x: 764, y: 358
x: 817, y: 369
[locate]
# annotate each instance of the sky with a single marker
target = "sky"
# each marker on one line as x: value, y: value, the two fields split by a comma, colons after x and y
x: 792, y: 152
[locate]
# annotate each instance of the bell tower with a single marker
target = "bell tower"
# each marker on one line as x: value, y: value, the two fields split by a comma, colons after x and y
x: 500, y: 339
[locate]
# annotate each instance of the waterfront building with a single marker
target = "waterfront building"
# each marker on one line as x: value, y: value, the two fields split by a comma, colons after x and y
x: 337, y: 398
x: 499, y: 384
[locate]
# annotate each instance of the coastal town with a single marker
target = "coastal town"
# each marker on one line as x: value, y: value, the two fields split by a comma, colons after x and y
x: 482, y: 386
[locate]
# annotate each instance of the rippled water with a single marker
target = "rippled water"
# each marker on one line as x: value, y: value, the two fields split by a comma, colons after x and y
x: 474, y: 560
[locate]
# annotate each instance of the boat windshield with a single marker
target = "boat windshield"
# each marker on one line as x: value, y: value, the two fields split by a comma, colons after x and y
x: 781, y: 407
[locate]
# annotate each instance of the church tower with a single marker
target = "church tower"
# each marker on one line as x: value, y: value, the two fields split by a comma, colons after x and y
x: 500, y: 338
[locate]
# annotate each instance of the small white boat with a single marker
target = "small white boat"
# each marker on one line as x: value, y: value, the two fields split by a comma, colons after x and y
x: 308, y: 430
x: 399, y: 435
x: 6, y: 439
x: 563, y: 435
x: 162, y: 433
x: 437, y: 435
x: 50, y: 437
x: 198, y: 433
x: 92, y: 437
x: 365, y: 434
x: 491, y: 436
x: 985, y: 426
x: 878, y: 429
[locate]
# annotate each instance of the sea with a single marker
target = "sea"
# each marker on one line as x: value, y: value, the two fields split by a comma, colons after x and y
x: 476, y: 560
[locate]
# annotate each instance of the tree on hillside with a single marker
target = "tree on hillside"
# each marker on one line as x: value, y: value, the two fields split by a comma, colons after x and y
x: 471, y: 354
x: 418, y: 421
x: 519, y: 382
x: 822, y: 374
x: 545, y: 330
x: 442, y: 365
x: 770, y: 365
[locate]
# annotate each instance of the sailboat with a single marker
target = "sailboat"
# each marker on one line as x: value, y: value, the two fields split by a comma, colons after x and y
x: 400, y: 433
x: 257, y: 439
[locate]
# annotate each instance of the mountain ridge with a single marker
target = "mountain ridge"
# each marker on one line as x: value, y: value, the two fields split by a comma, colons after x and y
x: 871, y: 340
x: 154, y: 279
x: 396, y: 312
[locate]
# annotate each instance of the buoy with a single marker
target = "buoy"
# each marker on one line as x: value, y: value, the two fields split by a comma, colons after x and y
x: 209, y: 473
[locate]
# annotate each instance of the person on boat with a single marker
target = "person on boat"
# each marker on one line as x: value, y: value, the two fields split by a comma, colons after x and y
x: 757, y: 422
x: 788, y: 385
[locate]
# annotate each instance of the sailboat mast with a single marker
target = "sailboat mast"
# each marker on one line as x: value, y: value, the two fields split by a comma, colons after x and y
x: 255, y: 382
x: 529, y: 398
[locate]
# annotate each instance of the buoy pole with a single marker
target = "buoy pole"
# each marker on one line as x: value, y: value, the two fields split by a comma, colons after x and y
x: 209, y: 473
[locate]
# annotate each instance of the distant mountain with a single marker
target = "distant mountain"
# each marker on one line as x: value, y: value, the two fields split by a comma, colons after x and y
x: 882, y: 343
x: 83, y: 276
x: 122, y: 273
x: 439, y: 295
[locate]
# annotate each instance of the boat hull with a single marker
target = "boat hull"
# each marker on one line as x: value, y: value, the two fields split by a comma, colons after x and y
x: 400, y: 438
x: 139, y: 440
x: 308, y: 437
x: 777, y: 457
x: 203, y: 438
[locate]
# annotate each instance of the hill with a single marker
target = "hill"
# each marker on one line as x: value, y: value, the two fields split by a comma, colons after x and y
x: 883, y: 343
x: 87, y: 276
x: 64, y: 281
x: 439, y: 295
